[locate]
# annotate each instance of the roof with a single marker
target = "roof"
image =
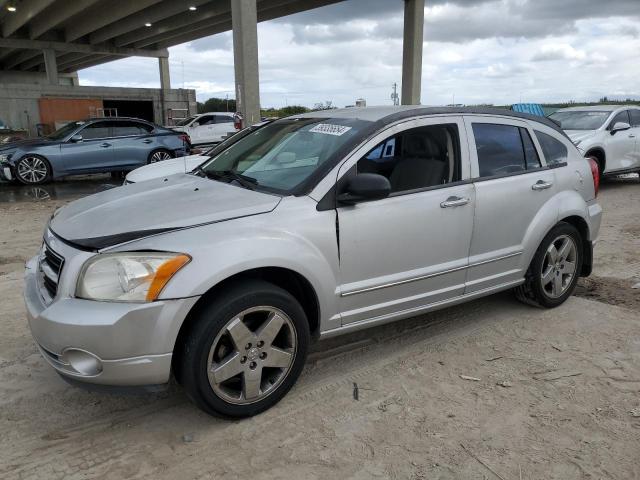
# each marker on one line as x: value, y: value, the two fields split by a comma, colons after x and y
x: 388, y: 114
x: 84, y: 33
x: 596, y: 108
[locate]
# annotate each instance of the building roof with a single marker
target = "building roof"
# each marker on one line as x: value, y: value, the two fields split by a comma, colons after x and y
x: 84, y: 33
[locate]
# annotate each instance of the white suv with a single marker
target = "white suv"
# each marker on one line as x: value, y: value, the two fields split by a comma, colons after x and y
x: 608, y: 133
x: 210, y: 127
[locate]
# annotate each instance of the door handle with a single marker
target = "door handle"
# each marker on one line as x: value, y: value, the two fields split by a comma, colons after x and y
x: 148, y: 140
x: 541, y: 185
x: 631, y: 135
x: 454, y: 202
x: 105, y: 145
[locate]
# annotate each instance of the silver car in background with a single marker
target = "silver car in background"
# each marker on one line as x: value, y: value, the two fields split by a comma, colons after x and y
x: 309, y: 227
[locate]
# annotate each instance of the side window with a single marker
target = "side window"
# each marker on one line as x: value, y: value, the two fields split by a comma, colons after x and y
x: 620, y: 117
x: 530, y: 153
x: 554, y: 150
x: 128, y: 128
x: 96, y: 130
x: 418, y: 158
x: 635, y: 117
x: 205, y: 120
x: 223, y: 119
x: 500, y: 149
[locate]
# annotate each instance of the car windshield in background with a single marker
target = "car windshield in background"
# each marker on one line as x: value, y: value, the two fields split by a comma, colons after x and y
x: 580, y: 120
x: 184, y: 122
x: 280, y: 156
x: 68, y: 129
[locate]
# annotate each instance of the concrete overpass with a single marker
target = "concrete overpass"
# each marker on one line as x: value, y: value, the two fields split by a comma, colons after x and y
x: 62, y: 36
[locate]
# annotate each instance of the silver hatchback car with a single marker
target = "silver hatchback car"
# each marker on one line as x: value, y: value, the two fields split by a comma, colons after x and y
x: 308, y: 227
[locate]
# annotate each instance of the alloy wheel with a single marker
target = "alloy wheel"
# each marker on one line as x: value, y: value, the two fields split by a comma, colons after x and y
x: 559, y: 266
x: 32, y: 170
x: 159, y: 156
x: 252, y: 355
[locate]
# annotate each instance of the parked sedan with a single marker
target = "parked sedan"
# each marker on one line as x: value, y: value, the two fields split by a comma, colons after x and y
x: 310, y: 227
x: 205, y: 128
x: 91, y: 146
x: 608, y: 133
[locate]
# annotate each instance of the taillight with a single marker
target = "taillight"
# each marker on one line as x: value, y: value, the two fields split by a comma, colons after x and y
x: 595, y: 173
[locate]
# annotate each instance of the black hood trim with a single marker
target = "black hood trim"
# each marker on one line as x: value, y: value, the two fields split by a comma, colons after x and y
x: 98, y: 243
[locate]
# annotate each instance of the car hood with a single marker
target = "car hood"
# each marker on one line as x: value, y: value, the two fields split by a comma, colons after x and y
x: 579, y: 135
x: 166, y: 167
x: 31, y: 142
x: 142, y: 209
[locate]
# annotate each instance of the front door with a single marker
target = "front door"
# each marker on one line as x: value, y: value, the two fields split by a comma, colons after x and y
x: 402, y: 253
x: 94, y: 152
x: 511, y: 185
x: 620, y: 146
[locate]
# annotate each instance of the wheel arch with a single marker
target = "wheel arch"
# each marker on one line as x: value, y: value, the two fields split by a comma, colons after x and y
x: 291, y: 281
x: 582, y: 226
x: 601, y: 156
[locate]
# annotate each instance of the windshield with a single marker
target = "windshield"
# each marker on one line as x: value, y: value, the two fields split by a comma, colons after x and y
x: 280, y: 156
x: 185, y: 121
x: 580, y: 120
x: 63, y: 132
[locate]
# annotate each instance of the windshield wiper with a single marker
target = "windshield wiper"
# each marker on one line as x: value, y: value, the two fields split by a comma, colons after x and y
x: 245, y: 181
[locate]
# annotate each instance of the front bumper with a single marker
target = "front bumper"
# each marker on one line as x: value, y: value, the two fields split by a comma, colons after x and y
x: 107, y: 343
x: 6, y: 173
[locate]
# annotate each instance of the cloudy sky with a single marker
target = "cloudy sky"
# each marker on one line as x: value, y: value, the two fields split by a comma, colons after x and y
x: 476, y: 51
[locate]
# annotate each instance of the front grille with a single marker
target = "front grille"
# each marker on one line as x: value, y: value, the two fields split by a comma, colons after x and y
x: 50, y: 268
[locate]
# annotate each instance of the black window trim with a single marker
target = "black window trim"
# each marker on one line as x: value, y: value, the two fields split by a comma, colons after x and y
x: 524, y: 172
x: 612, y: 122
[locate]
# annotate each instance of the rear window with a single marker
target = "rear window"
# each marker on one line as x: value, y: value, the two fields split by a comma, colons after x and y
x: 555, y: 152
x: 500, y: 149
x: 635, y: 118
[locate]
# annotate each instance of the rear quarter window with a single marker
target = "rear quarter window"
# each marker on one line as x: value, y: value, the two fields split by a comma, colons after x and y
x: 555, y: 152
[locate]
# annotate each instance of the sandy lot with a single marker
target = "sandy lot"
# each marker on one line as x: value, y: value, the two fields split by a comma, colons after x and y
x: 558, y: 394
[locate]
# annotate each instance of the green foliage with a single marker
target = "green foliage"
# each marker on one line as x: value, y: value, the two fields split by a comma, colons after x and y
x: 217, y: 105
x: 283, y: 112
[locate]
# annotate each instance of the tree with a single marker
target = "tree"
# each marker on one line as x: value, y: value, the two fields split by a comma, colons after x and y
x: 217, y: 105
x: 327, y: 105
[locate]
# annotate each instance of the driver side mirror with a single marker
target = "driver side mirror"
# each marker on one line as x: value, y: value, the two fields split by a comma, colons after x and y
x: 619, y: 126
x: 75, y: 138
x: 195, y: 124
x: 364, y: 187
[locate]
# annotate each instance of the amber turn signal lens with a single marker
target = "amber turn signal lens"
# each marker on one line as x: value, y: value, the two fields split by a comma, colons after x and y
x: 164, y: 273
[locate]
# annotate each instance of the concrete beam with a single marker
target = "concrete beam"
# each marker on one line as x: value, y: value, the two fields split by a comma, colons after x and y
x: 91, y: 62
x: 171, y: 10
x: 51, y: 66
x: 165, y: 78
x: 56, y: 15
x: 412, y: 51
x: 179, y: 23
x: 25, y: 12
x: 79, y: 48
x: 20, y: 57
x: 103, y: 14
x: 245, y: 54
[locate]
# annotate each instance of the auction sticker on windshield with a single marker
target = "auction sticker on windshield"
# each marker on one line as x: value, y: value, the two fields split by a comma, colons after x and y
x: 330, y: 129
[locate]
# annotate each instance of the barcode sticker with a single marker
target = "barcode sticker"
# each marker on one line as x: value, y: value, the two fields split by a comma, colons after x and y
x: 329, y: 129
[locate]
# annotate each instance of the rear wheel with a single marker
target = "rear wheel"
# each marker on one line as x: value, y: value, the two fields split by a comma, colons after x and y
x: 555, y: 268
x: 159, y: 156
x: 245, y: 350
x: 33, y: 170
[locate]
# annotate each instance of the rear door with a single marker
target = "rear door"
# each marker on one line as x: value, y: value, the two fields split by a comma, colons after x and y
x: 511, y: 189
x: 132, y: 143
x: 222, y: 126
x: 634, y: 133
x: 94, y: 152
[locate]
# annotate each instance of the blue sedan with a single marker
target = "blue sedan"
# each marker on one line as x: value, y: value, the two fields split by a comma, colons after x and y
x: 93, y: 146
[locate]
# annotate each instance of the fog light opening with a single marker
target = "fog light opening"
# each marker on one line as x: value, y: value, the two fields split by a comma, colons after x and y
x: 82, y: 362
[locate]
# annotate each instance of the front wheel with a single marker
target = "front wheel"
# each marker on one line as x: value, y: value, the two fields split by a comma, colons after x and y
x: 33, y: 170
x: 245, y: 350
x: 555, y: 268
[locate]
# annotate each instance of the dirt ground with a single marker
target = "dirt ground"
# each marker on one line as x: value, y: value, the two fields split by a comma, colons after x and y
x: 557, y: 393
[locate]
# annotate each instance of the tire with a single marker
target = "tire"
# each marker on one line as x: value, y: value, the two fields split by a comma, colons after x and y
x: 221, y: 363
x: 159, y: 156
x: 33, y: 170
x: 559, y: 278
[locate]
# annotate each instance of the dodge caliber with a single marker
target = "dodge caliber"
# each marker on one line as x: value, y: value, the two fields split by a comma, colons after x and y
x: 308, y: 227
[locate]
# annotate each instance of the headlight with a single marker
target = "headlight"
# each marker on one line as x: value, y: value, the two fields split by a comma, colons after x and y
x: 4, y: 157
x: 128, y: 277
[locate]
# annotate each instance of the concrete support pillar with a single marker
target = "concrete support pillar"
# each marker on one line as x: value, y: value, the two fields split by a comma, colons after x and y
x: 165, y: 79
x: 51, y: 66
x: 245, y: 57
x: 412, y: 51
